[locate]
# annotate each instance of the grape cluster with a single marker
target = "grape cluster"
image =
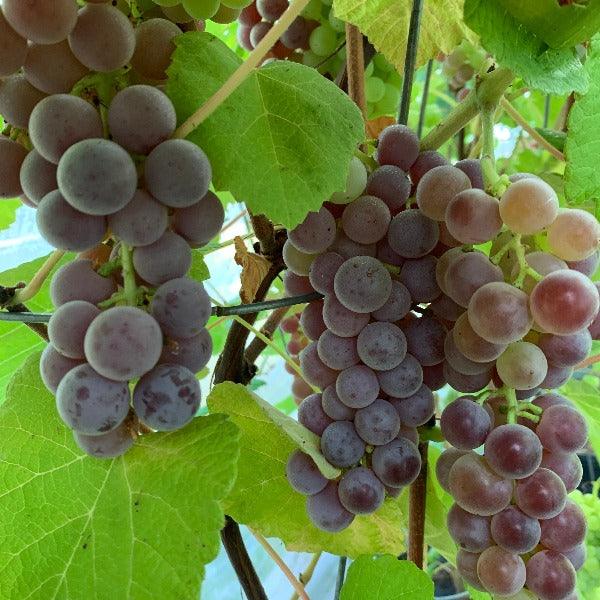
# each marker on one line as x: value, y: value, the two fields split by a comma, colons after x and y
x: 298, y: 341
x: 135, y: 202
x: 187, y: 11
x: 461, y: 64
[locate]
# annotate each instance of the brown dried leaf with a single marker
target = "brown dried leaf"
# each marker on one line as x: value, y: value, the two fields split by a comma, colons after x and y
x: 254, y: 270
x: 376, y: 126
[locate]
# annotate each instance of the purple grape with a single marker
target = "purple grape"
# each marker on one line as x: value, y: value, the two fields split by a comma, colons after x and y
x: 326, y: 511
x: 107, y: 445
x: 465, y: 424
x: 360, y: 492
x: 303, y: 474
x: 312, y: 416
x: 398, y: 463
x: 341, y: 445
x: 378, y: 423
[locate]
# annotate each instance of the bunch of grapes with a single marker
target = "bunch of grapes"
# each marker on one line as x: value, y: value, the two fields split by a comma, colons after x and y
x: 117, y: 186
x: 188, y: 11
x: 461, y: 64
x: 587, y: 581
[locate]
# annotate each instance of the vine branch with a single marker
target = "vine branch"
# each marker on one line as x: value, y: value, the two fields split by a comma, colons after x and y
x: 424, y: 97
x: 412, y: 45
x: 416, y: 511
x: 355, y: 67
x: 243, y: 71
x: 307, y: 574
x: 489, y: 87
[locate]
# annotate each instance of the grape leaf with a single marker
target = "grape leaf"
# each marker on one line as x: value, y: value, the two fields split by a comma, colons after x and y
x: 8, y: 211
x: 263, y: 499
x: 386, y: 23
x: 137, y: 527
x: 17, y: 340
x: 582, y: 178
x: 199, y: 269
x: 386, y: 578
x: 585, y: 397
x: 554, y: 71
x: 559, y: 25
x: 282, y: 142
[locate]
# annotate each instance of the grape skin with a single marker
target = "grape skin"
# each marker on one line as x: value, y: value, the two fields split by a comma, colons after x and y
x: 54, y: 366
x: 201, y: 222
x: 550, y: 575
x: 417, y: 409
x: 41, y: 21
x: 311, y: 320
x: 398, y: 145
x: 574, y: 234
x: 566, y: 350
x: 315, y: 234
x: 67, y: 228
x: 103, y: 38
x: 326, y: 511
x: 366, y: 220
x: 322, y: 271
x: 340, y: 320
x: 476, y: 488
x: 333, y: 407
x: 61, y: 120
x: 397, y: 306
x: 360, y: 492
x: 443, y: 465
x: 108, y: 445
x: 564, y: 302
x: 471, y: 167
x: 528, y: 206
x: 357, y: 386
x: 348, y: 248
x: 541, y: 496
x: 178, y: 173
x: 515, y: 531
x: 312, y: 415
x: 362, y: 284
x: 566, y: 465
x: 500, y: 571
x: 398, y: 463
x: 522, y: 366
x: 123, y: 343
x: 153, y: 47
x: 459, y: 362
x: 468, y: 384
x: 97, y: 177
x: 473, y: 217
x: 182, y: 307
x: 297, y: 262
x: 53, y: 69
x: 378, y: 423
x: 381, y: 346
x: 513, y: 451
x: 341, y: 445
x: 425, y: 340
x: 412, y: 235
x: 167, y: 258
x: 437, y: 188
x: 13, y: 49
x: 355, y: 182
x: 390, y: 184
x: 37, y: 176
x: 90, y: 403
x: 140, y: 117
x: 418, y: 276
x: 474, y: 347
x: 470, y: 532
x: 296, y: 35
x: 12, y: 156
x: 404, y: 380
x: 562, y: 429
x: 303, y: 474
x: 465, y: 424
x: 566, y: 530
x: 77, y: 280
x: 466, y: 564
x: 192, y: 353
x: 337, y: 352
x: 68, y: 325
x: 18, y: 98
x: 315, y: 371
x: 425, y: 162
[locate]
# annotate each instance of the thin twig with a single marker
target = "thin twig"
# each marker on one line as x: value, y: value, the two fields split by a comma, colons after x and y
x: 37, y: 328
x: 424, y: 97
x: 547, y: 109
x: 307, y: 574
x: 217, y: 311
x: 279, y: 562
x: 243, y: 71
x: 416, y: 512
x: 589, y: 361
x: 33, y: 287
x: 518, y: 118
x: 355, y: 67
x: 257, y: 345
x: 234, y: 220
x: 412, y: 45
x: 341, y: 574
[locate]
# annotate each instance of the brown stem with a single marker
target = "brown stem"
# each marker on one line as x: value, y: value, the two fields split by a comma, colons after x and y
x: 236, y: 551
x: 416, y: 512
x: 368, y: 54
x: 257, y: 345
x: 355, y: 65
x: 39, y: 328
x: 563, y: 118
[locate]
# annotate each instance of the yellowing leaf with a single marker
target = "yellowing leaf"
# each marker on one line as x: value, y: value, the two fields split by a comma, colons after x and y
x: 386, y: 24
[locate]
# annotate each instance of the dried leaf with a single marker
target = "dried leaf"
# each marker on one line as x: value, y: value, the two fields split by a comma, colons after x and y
x: 254, y: 270
x: 377, y: 125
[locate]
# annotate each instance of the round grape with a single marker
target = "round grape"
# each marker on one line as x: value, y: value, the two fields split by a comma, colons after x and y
x: 473, y: 217
x: 562, y: 429
x: 465, y: 424
x: 513, y: 451
x: 437, y: 188
x: 303, y: 474
x: 153, y: 48
x: 514, y: 531
x: 541, y: 496
x: 168, y: 258
x: 315, y: 234
x: 366, y: 220
x: 412, y: 235
x: 381, y: 346
x: 326, y: 511
x: 501, y: 572
x: 360, y: 491
x: 398, y: 463
x: 107, y: 445
x: 550, y: 575
x: 41, y: 21
x: 54, y: 366
x: 470, y: 532
x: 378, y: 423
x: 574, y: 234
x: 362, y: 284
x: 341, y: 445
x: 522, y: 366
x: 200, y: 223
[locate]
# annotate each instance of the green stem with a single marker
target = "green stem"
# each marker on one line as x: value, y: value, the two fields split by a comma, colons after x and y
x: 33, y: 287
x: 488, y: 161
x: 528, y: 415
x: 489, y: 90
x: 130, y: 289
x: 512, y: 404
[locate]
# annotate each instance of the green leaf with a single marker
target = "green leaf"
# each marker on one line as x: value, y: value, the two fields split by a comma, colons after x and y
x: 282, y: 142
x: 137, y: 527
x: 8, y: 211
x: 386, y: 23
x: 558, y: 25
x: 582, y: 178
x: 585, y: 397
x: 556, y: 138
x: 386, y: 578
x: 17, y: 341
x: 263, y: 499
x: 514, y: 46
x: 199, y: 269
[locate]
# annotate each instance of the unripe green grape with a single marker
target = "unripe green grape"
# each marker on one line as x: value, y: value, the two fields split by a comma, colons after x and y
x: 341, y: 53
x: 391, y: 100
x: 369, y: 70
x: 323, y: 40
x: 177, y: 14
x: 395, y: 79
x: 374, y: 89
x: 226, y: 15
x: 201, y: 9
x: 310, y: 59
x: 312, y: 10
x: 167, y: 2
x: 336, y: 24
x: 355, y: 183
x: 382, y: 64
